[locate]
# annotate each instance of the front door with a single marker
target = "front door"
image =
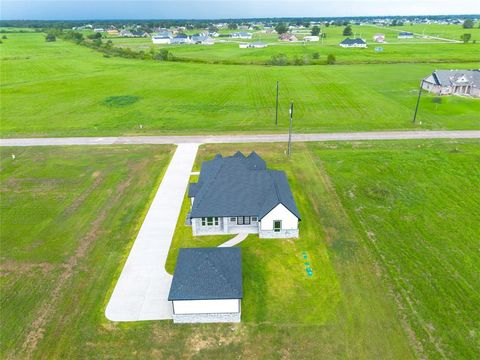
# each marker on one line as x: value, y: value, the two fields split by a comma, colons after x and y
x: 277, y: 225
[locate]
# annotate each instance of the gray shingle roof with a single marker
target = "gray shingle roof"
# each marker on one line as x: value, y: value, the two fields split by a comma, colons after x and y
x: 207, y: 273
x: 455, y: 77
x: 239, y: 186
x: 349, y: 41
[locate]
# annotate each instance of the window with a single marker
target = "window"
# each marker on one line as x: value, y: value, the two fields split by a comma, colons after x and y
x: 233, y: 219
x: 243, y: 220
x: 277, y: 225
x: 210, y: 221
x: 254, y: 218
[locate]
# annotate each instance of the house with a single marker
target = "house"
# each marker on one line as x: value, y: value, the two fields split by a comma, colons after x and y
x: 379, y: 38
x: 158, y: 39
x: 99, y: 30
x: 241, y: 35
x: 453, y: 82
x: 353, y: 43
x: 238, y: 194
x: 257, y: 45
x: 181, y: 39
x: 207, y: 285
x: 311, y: 38
x: 405, y: 35
x: 126, y: 33
x: 112, y: 32
x: 202, y: 39
x: 243, y: 45
x: 287, y: 37
x: 139, y: 33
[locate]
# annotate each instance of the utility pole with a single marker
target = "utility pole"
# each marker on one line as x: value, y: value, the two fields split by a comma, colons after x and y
x: 276, y: 108
x: 418, y: 101
x: 289, y: 151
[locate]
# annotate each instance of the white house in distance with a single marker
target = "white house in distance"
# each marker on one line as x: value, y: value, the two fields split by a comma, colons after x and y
x: 238, y: 194
x: 241, y: 35
x: 207, y: 285
x: 311, y: 38
x: 453, y: 82
x: 353, y: 43
x: 379, y: 38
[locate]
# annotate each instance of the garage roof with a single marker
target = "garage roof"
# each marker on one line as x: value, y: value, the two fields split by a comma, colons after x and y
x: 207, y: 274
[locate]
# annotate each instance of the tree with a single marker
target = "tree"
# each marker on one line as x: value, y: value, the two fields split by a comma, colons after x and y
x: 95, y: 36
x: 315, y: 30
x: 4, y: 37
x: 347, y: 31
x: 281, y: 28
x: 232, y: 26
x: 316, y: 55
x: 50, y: 38
x: 468, y: 24
x: 466, y: 38
x: 331, y: 59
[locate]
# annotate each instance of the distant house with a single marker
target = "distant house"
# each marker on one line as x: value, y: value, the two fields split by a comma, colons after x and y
x: 241, y: 35
x: 112, y: 32
x: 379, y: 38
x: 99, y: 30
x: 207, y: 285
x: 181, y: 39
x: 238, y: 194
x: 126, y: 33
x: 257, y: 45
x: 311, y: 38
x: 287, y: 37
x: 243, y: 45
x: 405, y: 35
x: 453, y: 82
x: 202, y: 39
x: 353, y: 43
x: 139, y: 33
x: 158, y: 39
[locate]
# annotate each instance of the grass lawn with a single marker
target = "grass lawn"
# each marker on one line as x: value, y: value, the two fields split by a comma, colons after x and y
x: 392, y: 258
x: 68, y: 216
x: 391, y: 233
x: 69, y: 90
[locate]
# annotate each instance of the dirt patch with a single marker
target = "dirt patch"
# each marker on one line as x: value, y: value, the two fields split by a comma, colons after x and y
x: 24, y: 268
x: 37, y: 328
x: 85, y: 194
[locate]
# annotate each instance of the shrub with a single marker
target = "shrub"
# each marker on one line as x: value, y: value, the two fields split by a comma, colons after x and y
x: 347, y: 31
x: 466, y: 38
x: 4, y: 37
x: 316, y: 55
x: 468, y: 24
x: 331, y: 59
x: 279, y: 60
x: 50, y: 38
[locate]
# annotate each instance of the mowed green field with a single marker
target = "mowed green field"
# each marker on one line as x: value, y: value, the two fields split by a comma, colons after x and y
x: 62, y: 89
x: 390, y: 229
x: 417, y: 50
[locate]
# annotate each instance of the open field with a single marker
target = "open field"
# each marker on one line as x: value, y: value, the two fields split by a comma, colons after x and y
x: 62, y: 89
x: 442, y: 31
x: 393, y: 258
x: 67, y: 216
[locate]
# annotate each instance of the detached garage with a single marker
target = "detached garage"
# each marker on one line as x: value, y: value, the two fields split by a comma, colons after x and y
x: 207, y: 285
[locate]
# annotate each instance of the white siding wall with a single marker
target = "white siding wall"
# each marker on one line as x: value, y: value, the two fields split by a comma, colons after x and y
x: 280, y: 212
x: 206, y: 306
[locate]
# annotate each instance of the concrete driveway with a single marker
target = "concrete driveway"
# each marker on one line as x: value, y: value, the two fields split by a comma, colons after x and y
x: 142, y: 289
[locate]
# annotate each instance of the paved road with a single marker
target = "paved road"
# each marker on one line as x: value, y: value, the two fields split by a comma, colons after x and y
x: 206, y: 139
x: 142, y: 289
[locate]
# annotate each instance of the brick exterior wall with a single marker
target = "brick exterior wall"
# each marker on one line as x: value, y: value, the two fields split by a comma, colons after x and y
x: 207, y: 318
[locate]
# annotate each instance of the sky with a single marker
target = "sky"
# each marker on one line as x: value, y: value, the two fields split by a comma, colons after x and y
x: 217, y: 9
